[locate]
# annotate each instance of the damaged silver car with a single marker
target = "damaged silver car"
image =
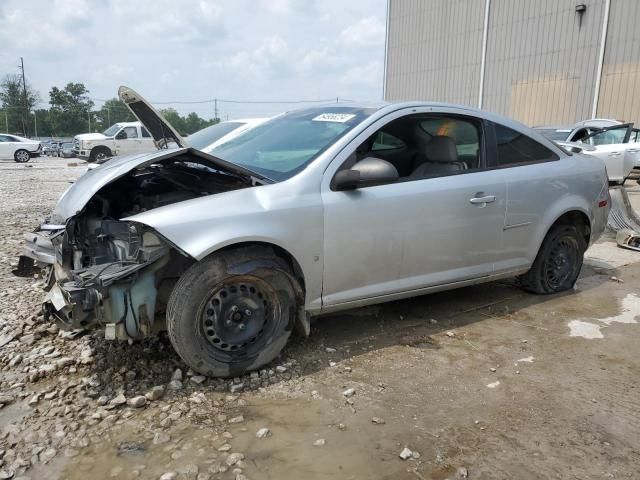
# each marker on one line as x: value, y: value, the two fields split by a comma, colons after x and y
x: 314, y: 211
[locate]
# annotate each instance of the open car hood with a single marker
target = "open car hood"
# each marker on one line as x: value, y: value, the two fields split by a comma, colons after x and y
x: 76, y: 197
x: 162, y: 132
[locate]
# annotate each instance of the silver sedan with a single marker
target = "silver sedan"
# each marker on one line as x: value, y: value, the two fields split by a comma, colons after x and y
x: 314, y: 211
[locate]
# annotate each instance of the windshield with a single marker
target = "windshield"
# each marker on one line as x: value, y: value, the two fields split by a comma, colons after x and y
x: 205, y: 137
x: 111, y: 131
x: 282, y: 147
x: 554, y: 134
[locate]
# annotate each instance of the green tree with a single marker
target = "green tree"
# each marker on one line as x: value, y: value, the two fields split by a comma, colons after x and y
x: 70, y: 109
x: 174, y: 119
x: 186, y: 125
x: 113, y: 111
x: 16, y: 105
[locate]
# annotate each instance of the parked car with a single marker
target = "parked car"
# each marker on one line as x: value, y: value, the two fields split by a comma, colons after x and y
x: 50, y: 148
x: 123, y: 138
x: 313, y: 211
x: 66, y: 150
x: 614, y: 142
x: 20, y: 149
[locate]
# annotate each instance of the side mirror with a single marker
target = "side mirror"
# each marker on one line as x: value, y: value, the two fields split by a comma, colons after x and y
x: 367, y: 172
x: 121, y: 135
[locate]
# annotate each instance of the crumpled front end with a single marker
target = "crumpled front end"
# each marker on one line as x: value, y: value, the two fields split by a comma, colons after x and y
x: 107, y: 276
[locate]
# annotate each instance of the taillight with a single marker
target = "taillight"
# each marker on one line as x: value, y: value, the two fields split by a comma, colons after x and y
x: 602, y: 203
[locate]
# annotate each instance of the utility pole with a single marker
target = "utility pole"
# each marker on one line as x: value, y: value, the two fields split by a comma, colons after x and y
x: 215, y: 109
x: 26, y: 103
x: 108, y: 116
x: 35, y: 125
x: 6, y: 121
x: 89, y: 118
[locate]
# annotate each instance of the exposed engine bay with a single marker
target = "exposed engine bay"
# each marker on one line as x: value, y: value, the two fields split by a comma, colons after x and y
x: 106, y: 268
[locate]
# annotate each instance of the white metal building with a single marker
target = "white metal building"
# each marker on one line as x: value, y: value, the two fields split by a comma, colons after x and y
x: 539, y: 61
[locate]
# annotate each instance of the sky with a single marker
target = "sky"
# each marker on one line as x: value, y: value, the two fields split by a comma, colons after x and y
x: 192, y: 50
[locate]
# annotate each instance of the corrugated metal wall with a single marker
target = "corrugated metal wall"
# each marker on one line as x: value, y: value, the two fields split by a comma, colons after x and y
x: 620, y: 87
x: 434, y: 50
x: 541, y: 62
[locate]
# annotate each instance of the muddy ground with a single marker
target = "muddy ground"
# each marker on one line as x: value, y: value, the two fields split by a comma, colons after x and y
x: 484, y: 382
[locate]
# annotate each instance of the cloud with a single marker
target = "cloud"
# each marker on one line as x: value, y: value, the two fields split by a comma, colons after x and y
x: 367, y: 32
x: 200, y: 49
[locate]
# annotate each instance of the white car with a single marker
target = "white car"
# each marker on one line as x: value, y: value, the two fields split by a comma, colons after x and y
x: 616, y: 143
x: 123, y: 138
x: 19, y: 148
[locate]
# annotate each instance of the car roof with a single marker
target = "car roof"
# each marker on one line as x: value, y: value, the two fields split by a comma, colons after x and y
x: 128, y: 124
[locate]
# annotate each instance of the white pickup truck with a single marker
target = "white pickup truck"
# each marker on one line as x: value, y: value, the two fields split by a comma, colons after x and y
x: 124, y: 138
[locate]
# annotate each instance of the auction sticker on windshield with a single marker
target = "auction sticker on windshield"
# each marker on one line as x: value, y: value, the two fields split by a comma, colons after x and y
x: 334, y: 117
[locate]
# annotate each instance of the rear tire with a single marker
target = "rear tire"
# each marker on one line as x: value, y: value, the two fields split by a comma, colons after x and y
x: 558, y: 263
x: 21, y: 156
x: 232, y: 312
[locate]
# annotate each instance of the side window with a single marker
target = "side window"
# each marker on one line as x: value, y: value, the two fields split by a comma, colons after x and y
x: 386, y: 141
x: 145, y: 133
x: 610, y: 137
x: 132, y: 132
x: 515, y: 148
x: 422, y: 146
x: 3, y: 139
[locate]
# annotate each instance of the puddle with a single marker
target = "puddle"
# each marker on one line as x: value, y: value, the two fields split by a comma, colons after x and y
x: 629, y: 310
x: 585, y: 329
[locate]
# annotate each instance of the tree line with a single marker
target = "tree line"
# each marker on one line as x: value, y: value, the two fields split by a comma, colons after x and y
x: 71, y: 111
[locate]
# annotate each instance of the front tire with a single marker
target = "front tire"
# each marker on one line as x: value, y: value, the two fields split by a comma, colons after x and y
x: 21, y: 156
x: 99, y: 154
x: 232, y: 312
x: 558, y: 263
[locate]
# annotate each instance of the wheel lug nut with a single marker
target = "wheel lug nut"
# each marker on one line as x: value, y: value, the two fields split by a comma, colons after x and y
x: 242, y: 326
x: 247, y: 312
x: 234, y: 308
x: 229, y: 323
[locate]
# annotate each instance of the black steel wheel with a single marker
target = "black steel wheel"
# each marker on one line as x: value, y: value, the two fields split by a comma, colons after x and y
x: 232, y: 312
x: 558, y: 263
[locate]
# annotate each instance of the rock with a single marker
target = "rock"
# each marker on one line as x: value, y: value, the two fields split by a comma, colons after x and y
x: 234, y: 458
x: 198, y: 379
x: 6, y: 399
x: 349, y: 392
x: 34, y: 400
x: 118, y: 400
x: 169, y: 476
x: 462, y: 473
x: 406, y: 454
x: 235, y: 388
x: 47, y: 455
x: 47, y: 368
x: 342, y: 426
x: 238, y: 419
x: 263, y: 433
x: 174, y: 385
x: 64, y: 362
x: 281, y: 369
x: 102, y: 400
x: 161, y: 437
x: 28, y: 339
x: 450, y: 334
x: 378, y: 420
x: 155, y: 393
x: 137, y: 402
x: 177, y: 375
x: 224, y: 448
x: 16, y: 360
x: 50, y: 395
x: 492, y: 369
x: 330, y: 350
x: 433, y: 321
x: 321, y: 442
x: 6, y: 338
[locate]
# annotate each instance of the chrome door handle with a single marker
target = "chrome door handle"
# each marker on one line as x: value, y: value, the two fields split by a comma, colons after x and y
x: 485, y: 199
x: 615, y: 154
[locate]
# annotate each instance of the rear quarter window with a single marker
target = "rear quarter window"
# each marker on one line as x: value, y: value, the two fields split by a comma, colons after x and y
x: 515, y: 148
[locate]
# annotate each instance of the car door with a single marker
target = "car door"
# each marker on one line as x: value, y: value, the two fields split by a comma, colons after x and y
x: 419, y: 232
x: 130, y: 143
x: 613, y: 148
x: 536, y: 179
x: 5, y: 147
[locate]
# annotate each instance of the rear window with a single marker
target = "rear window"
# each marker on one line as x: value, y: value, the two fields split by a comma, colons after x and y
x: 515, y: 148
x: 554, y: 134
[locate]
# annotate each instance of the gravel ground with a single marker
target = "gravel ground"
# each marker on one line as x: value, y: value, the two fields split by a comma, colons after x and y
x: 483, y: 382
